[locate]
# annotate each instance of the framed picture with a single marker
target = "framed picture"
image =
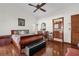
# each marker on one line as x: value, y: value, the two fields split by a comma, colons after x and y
x: 21, y: 22
x: 43, y: 26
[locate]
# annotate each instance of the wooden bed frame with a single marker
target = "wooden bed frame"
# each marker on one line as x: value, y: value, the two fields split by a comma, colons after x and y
x: 27, y: 39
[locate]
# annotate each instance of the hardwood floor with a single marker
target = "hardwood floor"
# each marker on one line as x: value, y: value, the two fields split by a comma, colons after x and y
x: 8, y: 50
x: 53, y: 49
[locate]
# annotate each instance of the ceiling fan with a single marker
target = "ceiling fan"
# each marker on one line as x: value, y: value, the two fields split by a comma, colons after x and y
x: 38, y: 6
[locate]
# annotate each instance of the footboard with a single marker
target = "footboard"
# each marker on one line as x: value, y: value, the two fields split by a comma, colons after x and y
x: 26, y: 40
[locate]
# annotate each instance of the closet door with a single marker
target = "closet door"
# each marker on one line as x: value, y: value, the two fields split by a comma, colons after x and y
x: 75, y: 29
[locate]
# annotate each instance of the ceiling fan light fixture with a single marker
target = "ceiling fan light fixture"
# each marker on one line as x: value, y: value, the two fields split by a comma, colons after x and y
x: 38, y: 6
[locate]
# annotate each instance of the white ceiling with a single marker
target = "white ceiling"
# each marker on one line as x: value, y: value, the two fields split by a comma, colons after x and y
x: 51, y: 8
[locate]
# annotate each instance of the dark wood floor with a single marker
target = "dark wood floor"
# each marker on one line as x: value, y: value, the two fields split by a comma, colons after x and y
x: 8, y: 50
x: 53, y: 49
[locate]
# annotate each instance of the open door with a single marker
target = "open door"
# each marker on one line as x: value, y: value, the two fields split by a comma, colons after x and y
x: 58, y: 29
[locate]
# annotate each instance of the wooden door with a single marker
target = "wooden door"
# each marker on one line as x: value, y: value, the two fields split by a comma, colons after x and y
x: 75, y: 29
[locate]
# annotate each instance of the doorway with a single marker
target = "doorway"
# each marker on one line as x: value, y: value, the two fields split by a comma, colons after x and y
x: 58, y: 29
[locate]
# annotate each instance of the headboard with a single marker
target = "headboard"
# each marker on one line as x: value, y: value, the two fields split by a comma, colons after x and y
x: 20, y: 31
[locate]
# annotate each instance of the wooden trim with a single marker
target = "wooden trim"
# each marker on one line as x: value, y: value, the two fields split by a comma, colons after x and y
x: 74, y: 14
x: 71, y: 29
x: 58, y: 18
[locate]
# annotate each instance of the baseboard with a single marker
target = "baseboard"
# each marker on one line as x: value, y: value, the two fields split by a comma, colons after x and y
x: 66, y: 42
x: 60, y: 42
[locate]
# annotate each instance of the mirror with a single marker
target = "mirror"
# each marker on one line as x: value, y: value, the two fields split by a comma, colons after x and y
x: 43, y: 26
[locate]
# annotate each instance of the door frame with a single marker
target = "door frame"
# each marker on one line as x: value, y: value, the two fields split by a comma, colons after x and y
x: 63, y: 27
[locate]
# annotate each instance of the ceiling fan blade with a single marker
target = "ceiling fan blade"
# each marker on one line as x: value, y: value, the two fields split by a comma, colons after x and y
x: 38, y: 6
x: 42, y: 10
x: 35, y: 10
x: 31, y: 5
x: 42, y: 4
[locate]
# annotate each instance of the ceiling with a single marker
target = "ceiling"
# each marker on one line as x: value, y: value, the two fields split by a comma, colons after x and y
x: 51, y: 8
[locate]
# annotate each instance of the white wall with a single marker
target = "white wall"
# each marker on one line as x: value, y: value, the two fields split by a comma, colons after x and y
x: 66, y: 13
x: 9, y: 19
